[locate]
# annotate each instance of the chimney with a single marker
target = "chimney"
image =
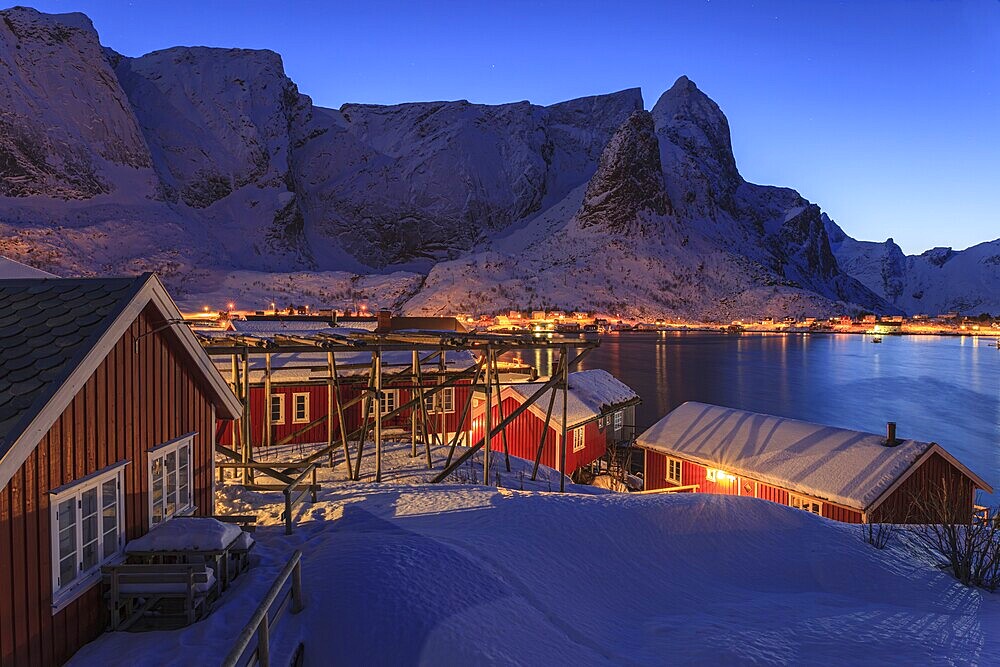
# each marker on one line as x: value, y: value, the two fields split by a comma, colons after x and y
x: 890, y: 434
x: 384, y: 321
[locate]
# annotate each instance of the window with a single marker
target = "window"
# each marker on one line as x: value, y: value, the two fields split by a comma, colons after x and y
x: 88, y: 530
x: 619, y: 420
x: 300, y: 408
x: 600, y: 422
x: 387, y: 402
x: 277, y: 408
x: 170, y: 480
x: 443, y: 401
x: 674, y: 470
x: 803, y: 503
x: 578, y: 442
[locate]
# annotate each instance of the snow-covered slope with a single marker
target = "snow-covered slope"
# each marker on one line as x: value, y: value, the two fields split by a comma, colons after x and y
x: 937, y: 281
x: 210, y: 166
x: 468, y: 575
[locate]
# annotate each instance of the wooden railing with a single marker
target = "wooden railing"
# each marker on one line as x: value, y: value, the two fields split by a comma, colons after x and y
x: 293, y: 488
x: 687, y: 488
x: 262, y: 621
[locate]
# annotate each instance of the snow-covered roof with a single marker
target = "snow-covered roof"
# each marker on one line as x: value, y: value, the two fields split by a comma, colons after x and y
x: 305, y: 366
x: 11, y: 269
x: 852, y: 468
x: 591, y: 393
x: 279, y: 326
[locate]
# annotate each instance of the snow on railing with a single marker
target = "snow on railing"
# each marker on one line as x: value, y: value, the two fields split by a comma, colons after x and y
x: 262, y: 621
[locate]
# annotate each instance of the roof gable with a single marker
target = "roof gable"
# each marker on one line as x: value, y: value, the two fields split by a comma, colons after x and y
x: 852, y: 468
x: 47, y: 326
x: 591, y: 392
x: 55, y: 332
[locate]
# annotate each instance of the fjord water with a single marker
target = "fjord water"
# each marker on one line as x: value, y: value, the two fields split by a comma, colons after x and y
x: 944, y: 389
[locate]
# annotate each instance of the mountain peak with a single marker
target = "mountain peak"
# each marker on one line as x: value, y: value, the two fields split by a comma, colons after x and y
x: 629, y: 179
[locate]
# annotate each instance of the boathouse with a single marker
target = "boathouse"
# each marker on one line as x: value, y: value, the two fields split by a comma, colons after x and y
x: 107, y: 412
x: 600, y: 412
x: 845, y: 475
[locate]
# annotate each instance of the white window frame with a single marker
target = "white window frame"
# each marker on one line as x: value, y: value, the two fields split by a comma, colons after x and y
x: 671, y: 461
x: 805, y: 503
x: 281, y: 408
x: 443, y: 401
x: 63, y: 594
x: 388, y: 402
x: 619, y: 420
x: 305, y: 408
x: 163, y: 451
x: 579, y: 440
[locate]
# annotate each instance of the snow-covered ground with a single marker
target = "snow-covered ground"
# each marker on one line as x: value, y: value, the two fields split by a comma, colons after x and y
x: 410, y: 573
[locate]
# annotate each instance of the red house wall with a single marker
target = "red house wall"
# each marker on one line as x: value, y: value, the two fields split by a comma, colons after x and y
x: 525, y: 432
x: 694, y: 473
x: 353, y: 415
x: 131, y: 403
x: 933, y: 474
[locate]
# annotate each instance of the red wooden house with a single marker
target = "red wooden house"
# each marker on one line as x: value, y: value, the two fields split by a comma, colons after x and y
x: 107, y: 413
x: 298, y: 398
x: 844, y: 475
x: 600, y: 411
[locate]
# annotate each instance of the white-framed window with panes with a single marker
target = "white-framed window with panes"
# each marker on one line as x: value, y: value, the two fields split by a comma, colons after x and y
x: 277, y: 408
x: 387, y: 402
x: 443, y: 401
x: 619, y: 420
x: 803, y: 503
x: 88, y: 531
x: 170, y: 480
x: 578, y: 440
x: 300, y: 408
x: 673, y: 470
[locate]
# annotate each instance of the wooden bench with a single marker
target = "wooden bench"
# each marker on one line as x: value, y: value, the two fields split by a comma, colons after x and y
x: 191, y: 584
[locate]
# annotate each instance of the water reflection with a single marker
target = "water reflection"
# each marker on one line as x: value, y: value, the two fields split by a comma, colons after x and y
x: 941, y: 389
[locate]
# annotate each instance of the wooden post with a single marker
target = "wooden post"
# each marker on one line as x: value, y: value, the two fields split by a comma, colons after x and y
x: 332, y: 360
x: 247, y: 419
x: 365, y: 417
x: 487, y: 419
x: 442, y: 419
x: 297, y: 604
x: 413, y: 413
x: 268, y: 425
x: 378, y: 415
x: 329, y: 405
x: 503, y: 431
x: 562, y: 451
x: 263, y: 643
x: 545, y: 431
x: 465, y: 413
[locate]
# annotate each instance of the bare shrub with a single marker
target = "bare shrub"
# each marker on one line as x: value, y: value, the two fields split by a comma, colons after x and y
x: 968, y: 540
x: 877, y: 534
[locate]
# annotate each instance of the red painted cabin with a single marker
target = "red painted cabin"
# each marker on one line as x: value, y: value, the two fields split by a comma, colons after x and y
x: 100, y: 390
x: 600, y: 412
x: 844, y: 475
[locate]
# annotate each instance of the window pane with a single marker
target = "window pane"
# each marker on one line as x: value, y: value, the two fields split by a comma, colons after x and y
x: 157, y: 490
x: 109, y: 525
x: 184, y: 478
x: 89, y: 528
x: 171, y: 484
x: 67, y: 569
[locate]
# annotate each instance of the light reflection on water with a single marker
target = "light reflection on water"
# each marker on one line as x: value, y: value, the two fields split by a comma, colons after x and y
x: 943, y: 389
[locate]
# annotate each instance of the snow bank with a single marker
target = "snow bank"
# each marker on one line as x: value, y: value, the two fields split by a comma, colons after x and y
x: 432, y: 575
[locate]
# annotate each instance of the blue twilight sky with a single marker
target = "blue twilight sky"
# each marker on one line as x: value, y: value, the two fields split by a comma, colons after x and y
x: 885, y: 113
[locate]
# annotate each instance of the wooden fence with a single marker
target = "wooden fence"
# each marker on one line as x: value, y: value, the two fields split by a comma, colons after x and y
x: 279, y: 598
x: 294, y: 489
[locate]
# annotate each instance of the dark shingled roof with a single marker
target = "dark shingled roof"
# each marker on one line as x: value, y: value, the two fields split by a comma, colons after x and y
x: 47, y: 327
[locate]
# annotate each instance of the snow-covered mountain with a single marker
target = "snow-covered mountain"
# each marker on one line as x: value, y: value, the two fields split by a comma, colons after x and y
x: 937, y: 281
x: 209, y: 166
